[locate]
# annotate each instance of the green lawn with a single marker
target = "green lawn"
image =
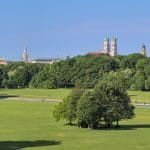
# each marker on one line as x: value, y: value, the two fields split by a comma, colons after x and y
x: 61, y: 93
x: 140, y: 96
x: 30, y: 126
x: 37, y: 93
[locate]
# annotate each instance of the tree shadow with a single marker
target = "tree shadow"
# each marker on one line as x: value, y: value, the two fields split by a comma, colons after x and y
x: 125, y: 127
x: 17, y: 145
x: 132, y: 95
x: 72, y: 124
x: 7, y: 96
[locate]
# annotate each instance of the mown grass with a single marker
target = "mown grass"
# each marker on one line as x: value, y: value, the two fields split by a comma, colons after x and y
x: 140, y: 96
x: 36, y: 93
x: 31, y: 126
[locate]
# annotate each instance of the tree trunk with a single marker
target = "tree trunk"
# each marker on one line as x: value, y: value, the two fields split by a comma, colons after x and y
x: 117, y: 123
x: 70, y: 123
x: 105, y: 122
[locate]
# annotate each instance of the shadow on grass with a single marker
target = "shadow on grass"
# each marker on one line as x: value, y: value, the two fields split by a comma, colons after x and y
x: 121, y: 127
x: 132, y: 95
x: 17, y: 145
x: 73, y: 124
x: 7, y: 96
x: 126, y: 127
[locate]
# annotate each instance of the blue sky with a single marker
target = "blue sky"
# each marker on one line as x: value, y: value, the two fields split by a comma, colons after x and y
x: 51, y: 28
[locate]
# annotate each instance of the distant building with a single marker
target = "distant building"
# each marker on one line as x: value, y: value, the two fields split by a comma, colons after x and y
x: 3, y: 62
x: 143, y: 50
x: 106, y: 46
x: 113, y: 51
x: 110, y: 48
x: 25, y: 55
x: 46, y: 60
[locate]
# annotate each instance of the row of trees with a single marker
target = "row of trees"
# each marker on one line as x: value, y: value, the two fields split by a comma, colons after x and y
x: 18, y: 74
x: 107, y: 103
x: 84, y: 71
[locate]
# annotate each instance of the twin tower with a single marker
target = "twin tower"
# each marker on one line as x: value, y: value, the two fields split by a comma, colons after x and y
x: 110, y: 47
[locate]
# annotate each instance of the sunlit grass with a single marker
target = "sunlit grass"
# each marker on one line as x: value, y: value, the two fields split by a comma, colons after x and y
x: 31, y: 126
x: 37, y: 93
x: 140, y: 96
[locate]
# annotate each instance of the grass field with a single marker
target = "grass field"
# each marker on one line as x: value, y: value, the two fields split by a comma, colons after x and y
x: 36, y: 93
x: 140, y: 96
x: 30, y: 126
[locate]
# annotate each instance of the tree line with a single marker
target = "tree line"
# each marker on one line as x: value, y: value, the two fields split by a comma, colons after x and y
x: 82, y: 71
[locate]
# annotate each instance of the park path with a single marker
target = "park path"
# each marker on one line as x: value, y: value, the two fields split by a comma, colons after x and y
x: 31, y: 99
x: 142, y: 105
x: 38, y: 99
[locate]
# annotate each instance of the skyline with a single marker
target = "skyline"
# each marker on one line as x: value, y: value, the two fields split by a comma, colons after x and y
x: 54, y: 28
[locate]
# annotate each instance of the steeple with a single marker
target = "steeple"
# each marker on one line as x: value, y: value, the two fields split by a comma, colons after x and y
x: 143, y: 50
x: 25, y: 55
x: 113, y: 51
x: 106, y: 45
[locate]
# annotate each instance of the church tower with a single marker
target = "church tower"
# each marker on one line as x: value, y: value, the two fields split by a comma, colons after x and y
x: 113, y: 51
x: 106, y: 46
x: 25, y: 55
x: 143, y: 50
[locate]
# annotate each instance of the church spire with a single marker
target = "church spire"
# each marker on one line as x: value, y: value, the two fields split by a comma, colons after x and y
x: 25, y: 55
x: 113, y: 51
x: 143, y: 50
x: 106, y: 45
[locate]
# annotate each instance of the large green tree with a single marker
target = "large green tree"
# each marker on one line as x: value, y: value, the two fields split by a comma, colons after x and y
x: 108, y: 102
x: 67, y: 109
x: 89, y: 110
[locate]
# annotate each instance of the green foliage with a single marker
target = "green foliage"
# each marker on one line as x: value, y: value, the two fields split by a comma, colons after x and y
x: 89, y: 111
x: 142, y: 63
x: 67, y: 109
x: 131, y: 60
x: 81, y: 71
x: 108, y: 102
x: 140, y: 80
x: 89, y: 69
x: 19, y: 75
x: 147, y: 84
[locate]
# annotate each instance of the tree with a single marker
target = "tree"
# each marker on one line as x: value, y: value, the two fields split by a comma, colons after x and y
x: 130, y: 61
x: 67, y: 109
x: 115, y: 100
x: 142, y: 63
x: 116, y: 104
x: 18, y: 75
x: 89, y: 110
x: 108, y: 102
x: 140, y: 80
x: 147, y: 84
x: 1, y: 76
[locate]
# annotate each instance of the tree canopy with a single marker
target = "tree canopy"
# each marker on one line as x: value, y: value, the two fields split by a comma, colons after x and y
x: 82, y: 71
x: 108, y: 102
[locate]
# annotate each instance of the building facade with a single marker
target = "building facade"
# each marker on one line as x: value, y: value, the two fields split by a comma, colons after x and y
x: 110, y: 47
x: 46, y: 60
x: 3, y: 62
